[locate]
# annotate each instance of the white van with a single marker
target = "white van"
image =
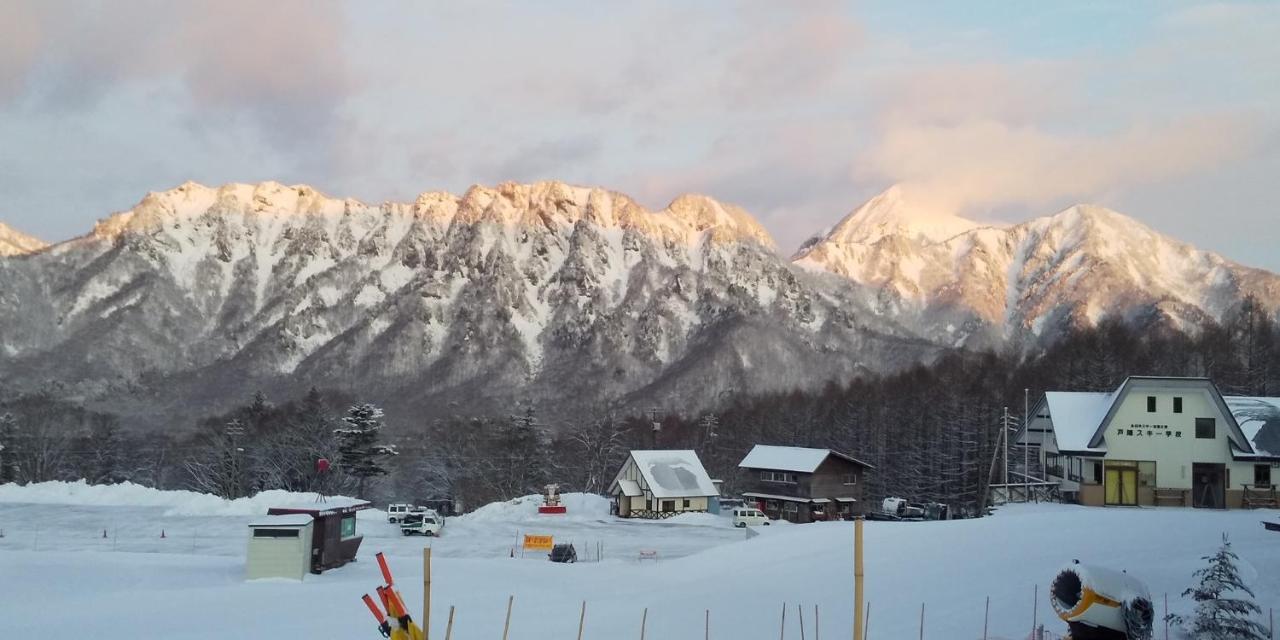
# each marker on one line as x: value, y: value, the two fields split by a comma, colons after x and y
x: 398, y: 510
x: 749, y: 517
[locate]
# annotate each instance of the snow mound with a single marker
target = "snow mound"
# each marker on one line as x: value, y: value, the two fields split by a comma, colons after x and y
x: 178, y: 502
x: 580, y: 506
x: 699, y: 520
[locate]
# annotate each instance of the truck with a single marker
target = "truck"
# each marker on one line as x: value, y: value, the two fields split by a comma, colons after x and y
x: 427, y: 523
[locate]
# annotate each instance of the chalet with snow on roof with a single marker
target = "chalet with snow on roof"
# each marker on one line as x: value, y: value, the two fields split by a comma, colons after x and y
x: 801, y: 484
x: 661, y: 484
x: 1158, y: 441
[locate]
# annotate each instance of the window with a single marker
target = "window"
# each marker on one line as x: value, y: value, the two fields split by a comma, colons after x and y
x: 348, y: 527
x: 851, y: 478
x: 275, y: 533
x: 778, y: 476
x: 1146, y: 474
x: 1205, y: 428
x: 668, y: 505
x: 1262, y: 475
x: 1053, y: 465
x: 1075, y: 469
x: 1097, y: 473
x: 1177, y: 404
x: 686, y: 503
x: 1151, y: 404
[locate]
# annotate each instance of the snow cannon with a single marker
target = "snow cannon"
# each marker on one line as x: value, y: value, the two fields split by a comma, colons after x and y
x: 551, y: 500
x: 1101, y: 604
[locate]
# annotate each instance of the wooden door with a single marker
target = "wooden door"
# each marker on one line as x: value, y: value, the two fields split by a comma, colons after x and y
x: 1122, y: 486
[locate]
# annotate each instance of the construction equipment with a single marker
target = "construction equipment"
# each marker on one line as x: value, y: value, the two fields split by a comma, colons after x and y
x: 404, y: 628
x: 1102, y: 604
x: 551, y: 500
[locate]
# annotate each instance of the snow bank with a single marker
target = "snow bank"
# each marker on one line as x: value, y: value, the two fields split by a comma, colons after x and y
x: 177, y: 502
x: 580, y: 506
x: 699, y: 520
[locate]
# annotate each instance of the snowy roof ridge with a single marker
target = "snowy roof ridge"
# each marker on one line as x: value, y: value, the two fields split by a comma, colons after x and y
x: 789, y: 458
x: 674, y: 473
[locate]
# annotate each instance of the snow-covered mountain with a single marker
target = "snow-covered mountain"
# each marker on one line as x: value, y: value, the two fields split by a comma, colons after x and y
x: 960, y: 282
x: 15, y: 243
x: 572, y: 297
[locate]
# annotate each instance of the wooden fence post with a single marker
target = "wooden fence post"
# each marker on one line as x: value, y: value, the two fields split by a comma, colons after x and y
x: 506, y: 626
x: 921, y: 621
x: 582, y: 619
x: 986, y: 618
x: 782, y: 631
x: 426, y: 593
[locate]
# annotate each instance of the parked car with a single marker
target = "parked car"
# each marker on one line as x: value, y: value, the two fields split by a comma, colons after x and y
x: 427, y: 523
x: 749, y: 517
x: 563, y: 553
x: 397, y: 511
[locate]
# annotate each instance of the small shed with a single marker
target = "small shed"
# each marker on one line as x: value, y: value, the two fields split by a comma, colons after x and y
x: 334, y: 541
x: 279, y: 547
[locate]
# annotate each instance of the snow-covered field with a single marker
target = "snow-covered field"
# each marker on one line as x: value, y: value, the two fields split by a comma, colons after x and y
x: 57, y: 571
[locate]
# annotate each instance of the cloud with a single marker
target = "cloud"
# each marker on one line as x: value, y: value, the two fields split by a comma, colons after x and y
x: 796, y: 54
x: 987, y: 163
x: 21, y: 32
x: 280, y: 65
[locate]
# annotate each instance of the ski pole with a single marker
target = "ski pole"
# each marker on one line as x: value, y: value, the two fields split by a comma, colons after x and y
x: 384, y: 627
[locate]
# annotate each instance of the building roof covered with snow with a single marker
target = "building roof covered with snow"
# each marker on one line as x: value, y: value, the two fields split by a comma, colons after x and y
x: 664, y: 473
x: 797, y: 459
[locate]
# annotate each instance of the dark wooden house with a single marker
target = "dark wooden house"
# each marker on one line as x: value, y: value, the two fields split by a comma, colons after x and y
x: 803, y: 485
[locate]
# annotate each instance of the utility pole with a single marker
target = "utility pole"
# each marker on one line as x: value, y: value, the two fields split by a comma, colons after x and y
x: 1004, y: 434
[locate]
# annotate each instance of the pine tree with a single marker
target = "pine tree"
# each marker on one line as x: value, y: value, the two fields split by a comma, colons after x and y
x: 8, y: 447
x: 1219, y: 616
x: 359, y: 453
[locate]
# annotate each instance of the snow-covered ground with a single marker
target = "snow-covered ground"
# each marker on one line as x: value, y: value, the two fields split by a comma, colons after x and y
x: 57, y: 571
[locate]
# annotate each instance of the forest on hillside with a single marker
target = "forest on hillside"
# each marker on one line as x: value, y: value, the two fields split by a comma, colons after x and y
x: 930, y: 431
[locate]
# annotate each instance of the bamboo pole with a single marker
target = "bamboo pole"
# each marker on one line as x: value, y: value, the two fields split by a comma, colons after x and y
x: 921, y: 621
x: 644, y: 617
x: 986, y: 618
x: 1035, y: 604
x: 426, y: 593
x: 815, y: 622
x: 782, y: 631
x: 706, y: 626
x: 857, y: 579
x: 448, y: 628
x: 582, y: 619
x: 506, y: 626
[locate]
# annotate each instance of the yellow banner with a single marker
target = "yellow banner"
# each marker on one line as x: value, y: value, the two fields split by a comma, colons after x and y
x: 537, y: 543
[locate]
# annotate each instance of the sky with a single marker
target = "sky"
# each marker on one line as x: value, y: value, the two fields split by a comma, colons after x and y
x: 797, y: 111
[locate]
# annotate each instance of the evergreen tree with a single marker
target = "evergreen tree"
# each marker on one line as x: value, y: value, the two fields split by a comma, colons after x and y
x: 105, y: 444
x: 8, y: 448
x: 1219, y: 616
x: 359, y: 453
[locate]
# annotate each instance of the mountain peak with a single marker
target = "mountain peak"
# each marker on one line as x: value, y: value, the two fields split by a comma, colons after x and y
x: 895, y: 212
x: 16, y: 243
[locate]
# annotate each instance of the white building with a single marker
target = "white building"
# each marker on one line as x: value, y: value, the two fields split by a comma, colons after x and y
x: 1159, y: 441
x: 661, y: 484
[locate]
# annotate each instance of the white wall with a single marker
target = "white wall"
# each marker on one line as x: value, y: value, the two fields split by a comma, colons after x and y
x: 1173, y: 455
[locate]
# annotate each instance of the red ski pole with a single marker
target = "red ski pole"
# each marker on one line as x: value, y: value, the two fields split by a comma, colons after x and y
x: 386, y: 571
x: 384, y: 627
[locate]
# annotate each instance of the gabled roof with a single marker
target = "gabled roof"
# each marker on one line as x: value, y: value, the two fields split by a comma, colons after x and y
x: 1259, y: 419
x: 673, y: 474
x: 797, y: 459
x: 1080, y: 418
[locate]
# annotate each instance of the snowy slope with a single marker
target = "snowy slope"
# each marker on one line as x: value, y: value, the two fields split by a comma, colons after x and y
x: 16, y: 243
x: 959, y: 282
x: 571, y: 295
x: 57, y: 558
